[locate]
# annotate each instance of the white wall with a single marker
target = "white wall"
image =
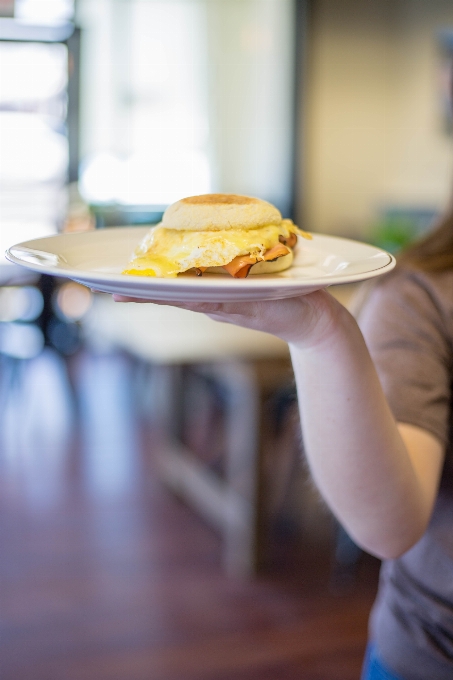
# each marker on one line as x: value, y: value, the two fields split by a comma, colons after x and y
x: 374, y: 131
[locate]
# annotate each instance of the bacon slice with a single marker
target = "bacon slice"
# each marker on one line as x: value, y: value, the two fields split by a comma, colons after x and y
x: 290, y: 241
x: 275, y: 252
x: 240, y: 266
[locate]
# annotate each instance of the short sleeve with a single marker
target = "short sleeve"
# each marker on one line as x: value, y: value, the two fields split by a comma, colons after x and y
x: 405, y: 329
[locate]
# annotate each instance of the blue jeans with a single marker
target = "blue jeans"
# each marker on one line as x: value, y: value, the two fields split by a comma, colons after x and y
x: 373, y: 669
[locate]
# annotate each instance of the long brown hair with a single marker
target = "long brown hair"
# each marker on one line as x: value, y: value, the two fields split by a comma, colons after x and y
x: 434, y: 251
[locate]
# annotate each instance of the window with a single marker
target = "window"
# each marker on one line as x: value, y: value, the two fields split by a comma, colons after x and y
x: 182, y: 97
x: 33, y: 110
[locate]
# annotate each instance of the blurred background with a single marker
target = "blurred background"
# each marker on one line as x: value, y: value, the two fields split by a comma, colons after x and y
x: 156, y: 517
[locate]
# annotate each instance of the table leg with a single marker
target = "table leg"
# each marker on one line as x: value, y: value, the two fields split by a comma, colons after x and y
x: 230, y: 503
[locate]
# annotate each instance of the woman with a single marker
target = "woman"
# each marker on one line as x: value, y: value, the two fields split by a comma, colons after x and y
x: 375, y: 406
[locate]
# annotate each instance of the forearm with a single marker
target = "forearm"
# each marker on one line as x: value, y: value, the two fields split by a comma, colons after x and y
x: 356, y: 455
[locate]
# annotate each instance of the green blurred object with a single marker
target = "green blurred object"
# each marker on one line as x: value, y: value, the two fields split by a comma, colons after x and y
x: 399, y: 227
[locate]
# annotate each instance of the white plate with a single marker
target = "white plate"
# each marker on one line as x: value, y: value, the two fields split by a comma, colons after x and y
x: 97, y: 258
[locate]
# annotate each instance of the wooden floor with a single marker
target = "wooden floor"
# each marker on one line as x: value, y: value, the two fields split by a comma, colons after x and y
x: 105, y: 576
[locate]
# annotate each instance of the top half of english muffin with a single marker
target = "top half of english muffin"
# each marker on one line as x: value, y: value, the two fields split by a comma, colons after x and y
x: 213, y: 212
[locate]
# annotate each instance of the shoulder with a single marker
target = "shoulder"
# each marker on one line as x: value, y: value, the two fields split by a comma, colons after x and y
x: 407, y: 293
x: 412, y: 311
x: 404, y: 280
x: 407, y: 323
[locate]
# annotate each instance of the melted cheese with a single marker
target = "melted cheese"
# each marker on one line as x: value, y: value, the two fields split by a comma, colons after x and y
x: 168, y: 252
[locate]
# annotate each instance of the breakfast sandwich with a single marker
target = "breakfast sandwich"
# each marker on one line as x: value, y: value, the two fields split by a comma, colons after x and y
x: 219, y: 233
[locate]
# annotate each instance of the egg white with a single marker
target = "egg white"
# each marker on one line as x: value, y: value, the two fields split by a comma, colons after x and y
x: 168, y: 252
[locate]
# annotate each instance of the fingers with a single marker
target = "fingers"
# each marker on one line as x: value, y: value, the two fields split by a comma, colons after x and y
x: 239, y: 313
x: 203, y: 307
x: 124, y: 298
x: 283, y: 318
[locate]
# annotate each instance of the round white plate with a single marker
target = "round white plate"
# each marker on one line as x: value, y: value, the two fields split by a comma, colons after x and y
x: 96, y: 259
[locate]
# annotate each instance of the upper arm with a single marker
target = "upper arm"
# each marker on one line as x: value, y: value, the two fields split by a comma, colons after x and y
x: 427, y: 454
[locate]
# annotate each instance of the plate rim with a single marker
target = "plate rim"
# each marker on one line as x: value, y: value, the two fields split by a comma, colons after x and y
x: 203, y: 284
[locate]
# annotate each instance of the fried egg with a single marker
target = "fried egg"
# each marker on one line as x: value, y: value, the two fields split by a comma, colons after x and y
x: 168, y: 252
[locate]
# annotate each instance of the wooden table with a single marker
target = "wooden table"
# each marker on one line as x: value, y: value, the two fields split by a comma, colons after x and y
x: 250, y: 366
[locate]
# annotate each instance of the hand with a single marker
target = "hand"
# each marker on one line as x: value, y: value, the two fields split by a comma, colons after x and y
x: 302, y: 321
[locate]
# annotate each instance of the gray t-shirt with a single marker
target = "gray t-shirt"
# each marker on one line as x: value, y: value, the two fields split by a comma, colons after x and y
x: 407, y: 322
